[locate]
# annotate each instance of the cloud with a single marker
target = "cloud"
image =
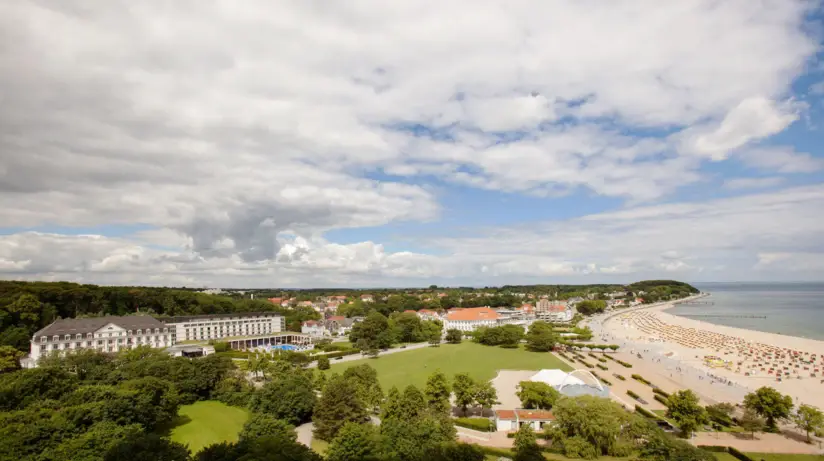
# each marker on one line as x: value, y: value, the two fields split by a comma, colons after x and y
x: 751, y: 120
x: 224, y: 127
x: 740, y: 238
x: 753, y: 183
x: 780, y: 160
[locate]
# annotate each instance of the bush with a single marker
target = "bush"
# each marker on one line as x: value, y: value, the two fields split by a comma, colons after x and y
x: 602, y: 367
x: 641, y: 379
x: 633, y: 395
x: 625, y: 364
x: 579, y: 447
x: 660, y: 392
x: 662, y: 399
x: 621, y: 377
x: 479, y: 424
x: 587, y: 364
x: 737, y: 454
x: 644, y: 412
x: 602, y: 360
x: 335, y: 355
x: 713, y: 448
x: 497, y: 451
x: 600, y: 378
x: 323, y: 363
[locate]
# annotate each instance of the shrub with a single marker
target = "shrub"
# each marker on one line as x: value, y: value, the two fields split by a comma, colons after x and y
x: 641, y: 379
x: 621, y: 377
x: 713, y: 448
x: 579, y: 447
x: 479, y: 424
x: 602, y: 360
x: 660, y: 392
x: 633, y: 395
x: 662, y: 399
x: 644, y: 412
x: 737, y: 454
x: 593, y: 355
x: 497, y: 451
x: 601, y: 367
x: 334, y: 355
x: 625, y: 364
x: 587, y: 364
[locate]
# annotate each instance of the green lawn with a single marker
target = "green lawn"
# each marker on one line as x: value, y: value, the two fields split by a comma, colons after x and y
x: 319, y: 446
x: 204, y: 423
x: 481, y: 362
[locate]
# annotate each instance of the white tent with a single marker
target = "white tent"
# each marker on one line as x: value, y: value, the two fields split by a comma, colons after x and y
x: 554, y: 378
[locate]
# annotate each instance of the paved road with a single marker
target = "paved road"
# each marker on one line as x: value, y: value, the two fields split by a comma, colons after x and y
x: 349, y: 358
x: 305, y: 433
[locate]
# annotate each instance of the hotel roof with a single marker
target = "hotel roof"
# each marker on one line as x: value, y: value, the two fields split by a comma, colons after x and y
x: 474, y: 313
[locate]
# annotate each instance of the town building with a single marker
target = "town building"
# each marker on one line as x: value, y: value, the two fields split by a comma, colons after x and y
x: 314, y: 328
x: 469, y: 319
x: 512, y: 420
x: 367, y: 298
x: 190, y: 350
x: 428, y: 314
x: 218, y: 326
x: 105, y: 334
x: 339, y: 325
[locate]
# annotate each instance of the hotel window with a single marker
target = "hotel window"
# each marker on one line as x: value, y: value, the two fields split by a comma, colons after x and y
x: 67, y: 337
x: 78, y: 336
x: 42, y: 339
x: 140, y: 332
x: 55, y: 338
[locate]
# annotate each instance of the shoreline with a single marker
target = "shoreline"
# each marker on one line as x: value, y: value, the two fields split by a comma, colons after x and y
x: 709, y: 294
x: 745, y: 359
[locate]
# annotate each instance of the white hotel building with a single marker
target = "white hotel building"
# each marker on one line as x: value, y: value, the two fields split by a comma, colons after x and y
x: 105, y: 334
x: 217, y: 326
x: 112, y: 333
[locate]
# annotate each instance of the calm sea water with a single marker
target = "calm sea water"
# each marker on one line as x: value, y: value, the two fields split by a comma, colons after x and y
x: 795, y: 309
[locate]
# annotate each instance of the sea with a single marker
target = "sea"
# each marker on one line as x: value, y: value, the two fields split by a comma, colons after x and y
x: 795, y: 309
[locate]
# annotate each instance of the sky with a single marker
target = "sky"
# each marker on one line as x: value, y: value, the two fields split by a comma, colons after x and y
x: 298, y: 144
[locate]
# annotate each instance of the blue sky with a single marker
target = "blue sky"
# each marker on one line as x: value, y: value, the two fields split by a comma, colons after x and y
x: 406, y: 145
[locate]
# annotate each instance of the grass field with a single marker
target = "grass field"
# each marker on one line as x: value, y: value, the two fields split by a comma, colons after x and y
x: 204, y: 423
x: 481, y: 362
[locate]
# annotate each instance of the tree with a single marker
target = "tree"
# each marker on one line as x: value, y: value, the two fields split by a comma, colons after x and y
x: 262, y: 425
x: 323, y: 363
x: 338, y: 405
x: 590, y: 307
x: 147, y: 447
x: 751, y: 422
x: 661, y: 447
x: 365, y: 379
x: 374, y: 330
x: 526, y: 446
x: 485, y: 395
x: 391, y: 407
x: 156, y: 395
x: 319, y: 381
x: 720, y: 411
x: 290, y: 398
x: 356, y: 442
x: 454, y: 336
x: 769, y: 404
x: 808, y: 419
x: 684, y: 409
x: 411, y: 437
x: 437, y: 392
x: 535, y: 394
x: 412, y: 403
x: 10, y: 358
x: 464, y: 388
x: 541, y: 337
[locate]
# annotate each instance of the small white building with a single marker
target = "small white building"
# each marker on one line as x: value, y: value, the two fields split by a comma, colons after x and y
x: 314, y: 328
x: 512, y: 420
x: 471, y: 318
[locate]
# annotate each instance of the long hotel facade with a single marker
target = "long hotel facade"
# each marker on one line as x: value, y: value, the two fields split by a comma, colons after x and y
x: 114, y: 333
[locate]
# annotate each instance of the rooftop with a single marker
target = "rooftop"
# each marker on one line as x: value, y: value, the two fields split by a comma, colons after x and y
x: 92, y: 324
x: 228, y: 315
x: 474, y: 313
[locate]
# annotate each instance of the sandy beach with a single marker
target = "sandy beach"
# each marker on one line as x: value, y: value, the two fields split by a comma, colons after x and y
x: 722, y: 363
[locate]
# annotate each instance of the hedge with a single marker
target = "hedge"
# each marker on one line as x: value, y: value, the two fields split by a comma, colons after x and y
x: 662, y: 399
x: 333, y: 355
x: 479, y: 424
x: 602, y: 360
x: 644, y: 412
x: 633, y: 394
x: 641, y: 379
x: 621, y: 377
x: 587, y: 364
x: 601, y: 379
x: 660, y: 392
x: 601, y: 367
x: 737, y: 454
x: 721, y: 449
x: 497, y: 451
x: 625, y: 364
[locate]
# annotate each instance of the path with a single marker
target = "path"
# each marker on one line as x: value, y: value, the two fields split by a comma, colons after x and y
x: 305, y: 434
x: 349, y: 358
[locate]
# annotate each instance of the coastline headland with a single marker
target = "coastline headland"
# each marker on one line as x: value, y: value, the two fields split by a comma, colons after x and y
x: 722, y: 363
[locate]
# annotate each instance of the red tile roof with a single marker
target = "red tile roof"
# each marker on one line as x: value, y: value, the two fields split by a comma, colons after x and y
x: 337, y: 318
x: 474, y: 313
x: 275, y: 300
